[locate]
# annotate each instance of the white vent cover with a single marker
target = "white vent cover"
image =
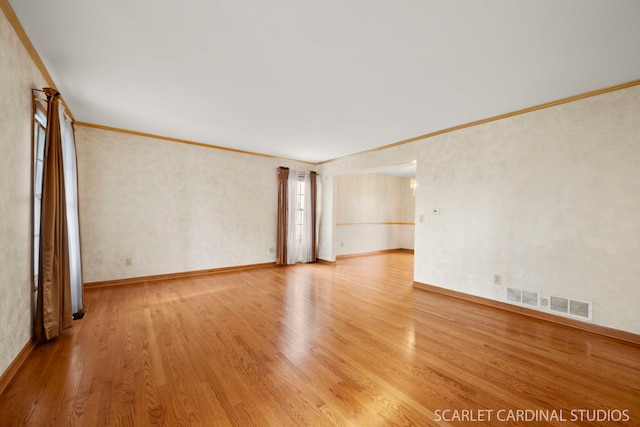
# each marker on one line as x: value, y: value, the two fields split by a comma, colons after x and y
x: 571, y: 307
x: 524, y: 297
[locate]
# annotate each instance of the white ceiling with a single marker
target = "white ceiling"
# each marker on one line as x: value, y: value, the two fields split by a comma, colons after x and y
x: 315, y: 80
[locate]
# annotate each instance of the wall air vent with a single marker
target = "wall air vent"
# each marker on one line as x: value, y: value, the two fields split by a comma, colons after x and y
x: 523, y: 297
x: 570, y: 307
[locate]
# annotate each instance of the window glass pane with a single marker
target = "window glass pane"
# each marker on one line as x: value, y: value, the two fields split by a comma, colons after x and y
x: 300, y: 194
x: 36, y: 216
x: 39, y: 130
x: 41, y: 117
x: 36, y: 253
x: 37, y: 179
x: 36, y: 258
x: 40, y: 143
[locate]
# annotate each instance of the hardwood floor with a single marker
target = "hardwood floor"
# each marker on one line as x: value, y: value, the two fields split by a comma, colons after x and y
x: 350, y: 344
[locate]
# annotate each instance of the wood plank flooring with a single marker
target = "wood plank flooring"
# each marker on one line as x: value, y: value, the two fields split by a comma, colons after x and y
x: 317, y: 345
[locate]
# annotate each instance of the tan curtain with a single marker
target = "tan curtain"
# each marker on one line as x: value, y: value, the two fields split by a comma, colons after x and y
x: 281, y: 244
x: 53, y: 312
x: 313, y: 207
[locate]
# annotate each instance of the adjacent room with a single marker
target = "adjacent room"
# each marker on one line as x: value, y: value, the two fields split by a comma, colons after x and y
x: 322, y: 213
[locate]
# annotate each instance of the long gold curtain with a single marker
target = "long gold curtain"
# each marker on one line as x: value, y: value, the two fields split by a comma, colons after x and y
x: 281, y: 244
x: 53, y: 312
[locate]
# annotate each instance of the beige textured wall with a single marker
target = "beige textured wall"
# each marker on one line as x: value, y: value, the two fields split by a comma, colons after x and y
x: 18, y: 75
x: 366, y: 205
x: 171, y: 207
x: 333, y: 171
x: 549, y: 200
x: 373, y: 198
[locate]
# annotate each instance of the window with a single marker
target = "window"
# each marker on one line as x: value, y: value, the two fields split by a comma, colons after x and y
x: 300, y: 186
x: 39, y: 129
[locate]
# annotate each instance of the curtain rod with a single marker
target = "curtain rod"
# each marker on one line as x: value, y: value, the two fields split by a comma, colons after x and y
x: 47, y: 92
x: 50, y: 92
x: 278, y: 170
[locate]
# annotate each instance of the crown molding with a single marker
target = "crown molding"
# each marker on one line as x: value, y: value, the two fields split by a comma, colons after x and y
x: 26, y: 42
x: 384, y: 147
x: 184, y: 141
x: 31, y: 50
x: 17, y: 26
x: 495, y: 118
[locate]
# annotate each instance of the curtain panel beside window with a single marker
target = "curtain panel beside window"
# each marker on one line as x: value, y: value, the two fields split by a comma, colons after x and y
x: 59, y: 266
x: 281, y: 245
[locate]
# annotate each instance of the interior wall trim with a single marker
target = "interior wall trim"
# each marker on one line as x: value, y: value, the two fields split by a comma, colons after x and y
x: 26, y: 42
x: 184, y: 141
x: 495, y: 118
x: 31, y: 50
x: 541, y: 315
x: 169, y: 276
x: 13, y: 368
x: 17, y: 26
x: 380, y: 252
x: 374, y: 223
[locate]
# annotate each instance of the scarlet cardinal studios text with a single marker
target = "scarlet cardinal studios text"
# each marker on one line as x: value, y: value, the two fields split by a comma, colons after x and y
x: 532, y: 415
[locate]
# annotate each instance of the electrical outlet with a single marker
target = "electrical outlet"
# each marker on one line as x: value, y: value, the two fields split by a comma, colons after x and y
x: 342, y: 244
x: 544, y: 302
x: 271, y: 250
x: 128, y: 261
x: 497, y: 279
